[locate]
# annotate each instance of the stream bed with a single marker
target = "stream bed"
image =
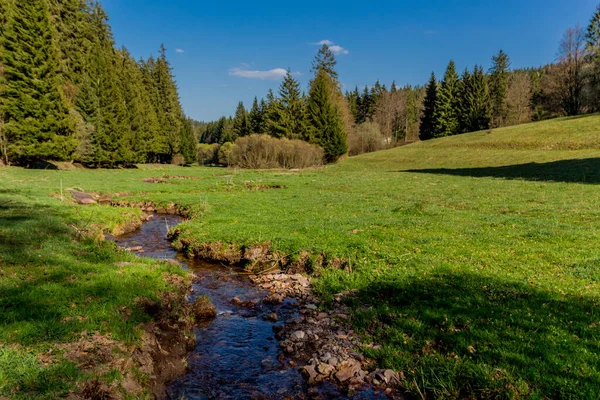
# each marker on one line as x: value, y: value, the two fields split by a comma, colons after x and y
x: 236, y: 355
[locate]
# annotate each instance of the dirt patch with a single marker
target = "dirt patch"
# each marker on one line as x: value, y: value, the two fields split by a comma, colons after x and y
x: 254, y: 187
x: 166, y: 178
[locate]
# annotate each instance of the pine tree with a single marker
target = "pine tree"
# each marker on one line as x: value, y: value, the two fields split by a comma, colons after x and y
x: 255, y: 118
x: 353, y: 100
x: 365, y: 107
x: 475, y: 102
x: 446, y: 109
x: 170, y: 115
x: 325, y: 60
x: 156, y: 148
x: 287, y: 114
x: 499, y: 75
x: 100, y: 99
x: 394, y: 88
x: 428, y: 125
x: 325, y: 124
x: 188, y: 140
x: 36, y: 124
x: 240, y: 122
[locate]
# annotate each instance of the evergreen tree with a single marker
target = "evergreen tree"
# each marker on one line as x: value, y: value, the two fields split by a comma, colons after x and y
x: 36, y: 124
x: 353, y: 100
x: 446, y: 109
x: 170, y: 115
x: 475, y: 102
x: 394, y: 88
x: 428, y: 125
x: 499, y: 76
x: 188, y: 140
x: 156, y: 147
x: 325, y: 60
x: 240, y: 122
x: 365, y: 107
x: 593, y: 47
x: 255, y: 118
x: 287, y: 116
x: 263, y: 115
x: 141, y: 117
x: 325, y: 123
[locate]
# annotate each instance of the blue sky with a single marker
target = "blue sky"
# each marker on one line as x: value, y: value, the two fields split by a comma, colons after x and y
x: 226, y: 51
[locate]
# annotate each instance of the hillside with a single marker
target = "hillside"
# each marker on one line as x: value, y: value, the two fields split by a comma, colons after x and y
x: 472, y: 259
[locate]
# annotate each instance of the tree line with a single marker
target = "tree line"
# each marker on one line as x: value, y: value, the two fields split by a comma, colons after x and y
x: 320, y: 117
x: 378, y: 117
x: 67, y: 93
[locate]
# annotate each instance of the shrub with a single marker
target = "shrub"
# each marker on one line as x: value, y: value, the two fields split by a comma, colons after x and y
x: 366, y: 139
x: 178, y: 159
x: 224, y: 153
x: 263, y: 151
x: 208, y: 153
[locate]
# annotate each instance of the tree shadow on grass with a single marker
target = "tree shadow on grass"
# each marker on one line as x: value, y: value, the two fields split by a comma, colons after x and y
x: 48, y: 279
x: 463, y: 335
x: 572, y: 171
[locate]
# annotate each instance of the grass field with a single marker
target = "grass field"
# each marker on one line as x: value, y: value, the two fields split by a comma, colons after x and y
x: 475, y: 259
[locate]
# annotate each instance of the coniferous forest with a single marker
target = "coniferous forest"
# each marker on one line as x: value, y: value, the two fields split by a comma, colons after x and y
x: 67, y: 93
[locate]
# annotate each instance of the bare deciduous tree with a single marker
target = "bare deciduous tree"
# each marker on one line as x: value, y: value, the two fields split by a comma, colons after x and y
x: 518, y: 98
x: 570, y: 70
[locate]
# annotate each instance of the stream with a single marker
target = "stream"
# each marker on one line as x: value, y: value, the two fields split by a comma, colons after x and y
x: 236, y: 355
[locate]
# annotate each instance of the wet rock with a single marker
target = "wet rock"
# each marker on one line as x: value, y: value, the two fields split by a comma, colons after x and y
x: 309, y: 372
x: 325, y: 369
x: 272, y: 317
x: 347, y: 369
x: 204, y: 309
x: 311, y: 306
x: 236, y: 301
x: 298, y: 336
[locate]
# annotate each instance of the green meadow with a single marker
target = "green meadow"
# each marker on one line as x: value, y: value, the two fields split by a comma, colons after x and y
x: 474, y: 261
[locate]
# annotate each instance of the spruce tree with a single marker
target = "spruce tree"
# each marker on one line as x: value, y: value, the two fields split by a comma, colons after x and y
x: 393, y: 88
x: 287, y: 114
x: 156, y: 148
x: 255, y: 118
x: 36, y: 124
x: 325, y: 60
x: 475, y: 102
x: 325, y: 123
x: 428, y: 125
x: 170, y: 115
x: 446, y: 109
x: 188, y: 140
x: 240, y: 122
x: 499, y: 76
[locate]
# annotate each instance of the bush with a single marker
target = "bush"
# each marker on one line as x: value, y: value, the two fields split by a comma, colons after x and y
x: 263, y: 152
x: 366, y: 139
x: 208, y: 153
x: 178, y: 159
x: 225, y: 153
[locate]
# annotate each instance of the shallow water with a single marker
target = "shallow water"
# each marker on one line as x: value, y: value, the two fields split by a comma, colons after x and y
x: 237, y: 355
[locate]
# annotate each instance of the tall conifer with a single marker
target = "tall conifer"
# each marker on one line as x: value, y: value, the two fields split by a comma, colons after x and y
x: 446, y: 109
x: 428, y: 125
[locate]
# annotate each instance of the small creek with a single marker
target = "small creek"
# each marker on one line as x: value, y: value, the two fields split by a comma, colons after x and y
x: 236, y: 355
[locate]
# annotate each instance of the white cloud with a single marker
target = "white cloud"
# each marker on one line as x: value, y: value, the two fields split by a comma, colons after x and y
x: 272, y: 74
x: 179, y: 51
x: 322, y: 42
x: 338, y: 50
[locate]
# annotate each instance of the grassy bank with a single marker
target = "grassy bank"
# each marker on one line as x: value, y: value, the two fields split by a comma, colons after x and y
x: 474, y: 259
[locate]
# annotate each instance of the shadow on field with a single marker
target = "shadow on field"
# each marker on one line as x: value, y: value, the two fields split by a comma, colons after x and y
x: 460, y: 333
x: 572, y: 171
x: 47, y: 276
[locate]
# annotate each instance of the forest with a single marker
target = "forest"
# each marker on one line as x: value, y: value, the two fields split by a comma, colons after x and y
x: 67, y: 93
x: 379, y: 117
